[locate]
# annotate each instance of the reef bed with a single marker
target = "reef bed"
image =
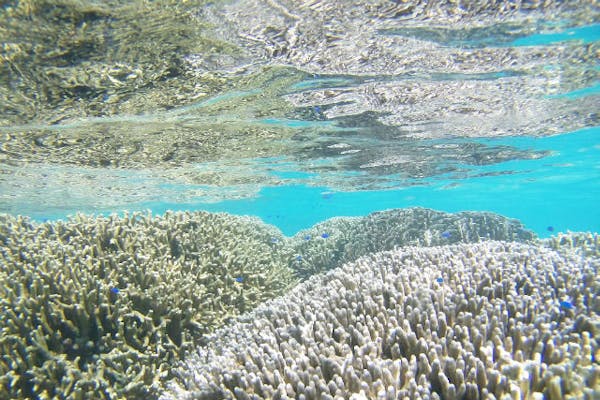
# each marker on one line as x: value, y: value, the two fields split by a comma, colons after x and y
x: 126, y: 306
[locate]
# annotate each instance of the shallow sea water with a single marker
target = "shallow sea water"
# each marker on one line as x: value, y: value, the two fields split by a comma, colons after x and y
x: 296, y: 112
x: 324, y: 112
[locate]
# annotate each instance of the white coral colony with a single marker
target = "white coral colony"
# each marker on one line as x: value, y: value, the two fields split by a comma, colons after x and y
x: 378, y: 328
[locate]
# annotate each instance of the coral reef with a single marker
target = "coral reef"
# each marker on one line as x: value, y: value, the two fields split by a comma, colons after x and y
x: 349, y: 238
x: 104, y: 307
x: 584, y: 243
x: 101, y: 307
x: 469, y: 321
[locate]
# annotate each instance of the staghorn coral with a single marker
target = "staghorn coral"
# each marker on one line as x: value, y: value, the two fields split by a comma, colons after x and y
x: 101, y: 307
x: 310, y: 253
x: 469, y: 321
x: 584, y: 243
x: 350, y: 238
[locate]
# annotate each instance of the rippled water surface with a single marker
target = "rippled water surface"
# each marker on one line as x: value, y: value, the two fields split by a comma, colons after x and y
x: 296, y: 111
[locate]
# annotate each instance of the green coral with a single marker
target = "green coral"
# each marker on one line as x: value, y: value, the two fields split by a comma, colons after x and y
x: 102, y: 307
x: 350, y: 238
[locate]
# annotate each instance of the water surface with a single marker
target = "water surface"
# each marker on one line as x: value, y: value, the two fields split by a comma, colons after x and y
x: 299, y: 111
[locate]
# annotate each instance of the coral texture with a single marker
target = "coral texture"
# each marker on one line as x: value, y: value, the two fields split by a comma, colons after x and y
x: 101, y: 307
x: 468, y: 321
x: 336, y: 241
x: 584, y: 243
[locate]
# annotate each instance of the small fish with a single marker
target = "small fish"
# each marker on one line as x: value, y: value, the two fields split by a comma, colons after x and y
x: 307, y: 237
x: 326, y: 195
x: 114, y: 290
x: 239, y: 279
x: 274, y: 240
x: 567, y: 305
x: 550, y: 229
x: 317, y: 109
x: 440, y: 280
x: 325, y: 235
x: 298, y: 258
x: 446, y: 234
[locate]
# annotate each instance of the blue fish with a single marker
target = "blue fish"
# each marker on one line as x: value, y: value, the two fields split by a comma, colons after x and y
x: 325, y: 235
x: 446, y: 234
x: 440, y: 280
x: 317, y: 109
x: 550, y: 229
x: 239, y: 279
x: 298, y: 258
x: 307, y: 237
x: 114, y: 290
x: 567, y: 305
x: 274, y: 240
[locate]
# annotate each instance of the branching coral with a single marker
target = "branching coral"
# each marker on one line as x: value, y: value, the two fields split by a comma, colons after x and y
x: 585, y: 243
x: 101, y: 307
x: 349, y: 238
x: 470, y: 321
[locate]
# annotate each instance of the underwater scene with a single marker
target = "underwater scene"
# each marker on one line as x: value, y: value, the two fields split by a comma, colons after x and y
x: 299, y: 199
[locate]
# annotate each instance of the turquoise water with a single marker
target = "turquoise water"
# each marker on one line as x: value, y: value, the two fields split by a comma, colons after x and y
x: 354, y: 139
x: 559, y: 191
x: 585, y: 34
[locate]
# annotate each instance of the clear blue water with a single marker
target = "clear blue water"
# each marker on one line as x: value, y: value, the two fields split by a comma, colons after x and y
x: 560, y: 191
x: 550, y: 179
x: 585, y: 34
